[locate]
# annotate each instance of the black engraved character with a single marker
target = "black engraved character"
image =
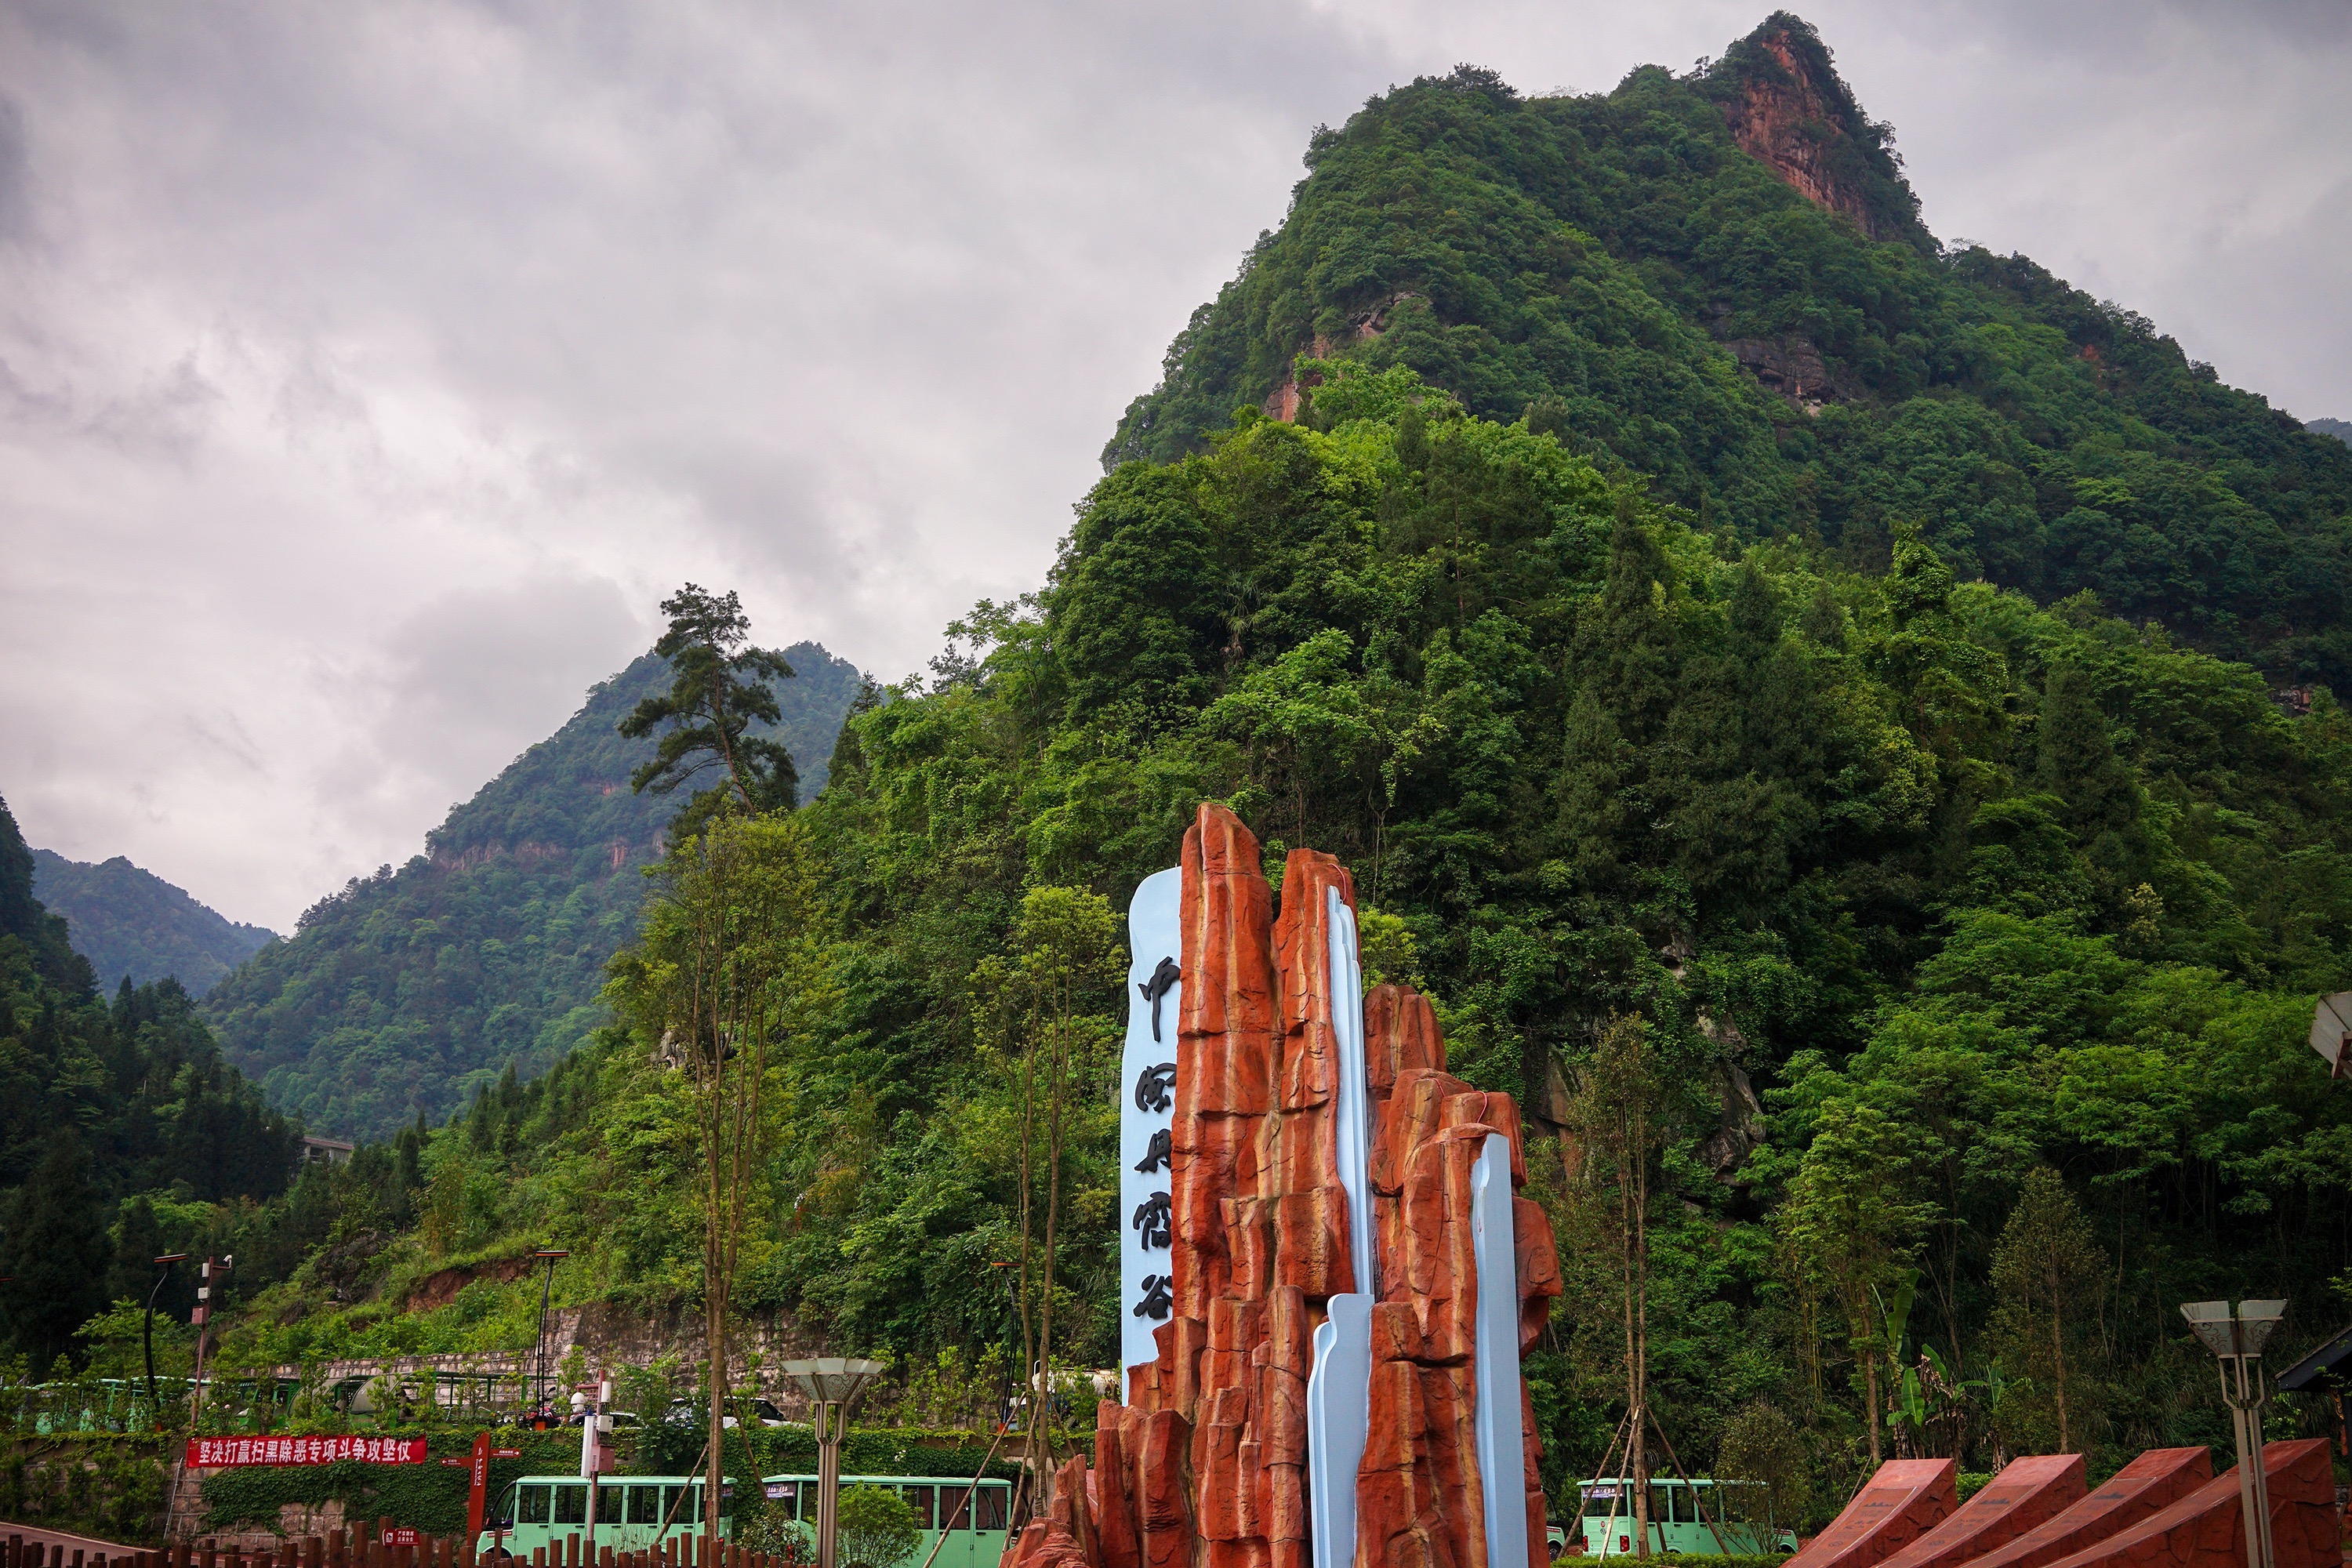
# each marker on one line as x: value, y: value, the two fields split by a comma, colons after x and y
x: 1151, y: 1087
x: 1156, y: 1302
x: 1156, y: 1155
x: 1151, y: 1218
x: 1163, y: 978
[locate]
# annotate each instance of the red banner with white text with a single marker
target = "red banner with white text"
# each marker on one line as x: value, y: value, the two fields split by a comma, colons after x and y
x: 219, y: 1452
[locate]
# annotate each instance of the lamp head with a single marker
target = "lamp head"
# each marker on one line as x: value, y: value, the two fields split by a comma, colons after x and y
x: 832, y: 1380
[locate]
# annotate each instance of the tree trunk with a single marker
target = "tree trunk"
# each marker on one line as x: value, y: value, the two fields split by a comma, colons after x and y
x: 1870, y: 1385
x: 2058, y: 1365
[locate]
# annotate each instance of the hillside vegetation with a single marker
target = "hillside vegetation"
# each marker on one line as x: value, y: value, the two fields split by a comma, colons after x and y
x: 133, y: 923
x: 1965, y: 889
x: 1621, y: 266
x: 411, y: 989
x: 99, y: 1107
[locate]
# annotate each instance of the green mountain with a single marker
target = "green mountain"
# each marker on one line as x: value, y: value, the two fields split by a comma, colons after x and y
x: 409, y: 990
x: 131, y: 923
x: 98, y: 1104
x: 2339, y: 429
x: 1721, y: 282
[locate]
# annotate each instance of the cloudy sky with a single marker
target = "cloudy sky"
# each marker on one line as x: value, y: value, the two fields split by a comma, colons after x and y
x: 368, y: 371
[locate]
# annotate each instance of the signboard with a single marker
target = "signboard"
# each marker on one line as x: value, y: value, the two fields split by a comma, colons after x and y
x: 223, y: 1452
x: 402, y: 1535
x: 1147, y: 1104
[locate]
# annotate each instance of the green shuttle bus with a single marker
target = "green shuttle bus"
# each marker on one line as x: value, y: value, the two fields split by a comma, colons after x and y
x: 633, y: 1513
x: 972, y: 1520
x: 1675, y: 1526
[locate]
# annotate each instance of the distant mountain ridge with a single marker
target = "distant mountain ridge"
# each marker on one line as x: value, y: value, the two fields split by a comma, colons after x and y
x: 405, y: 991
x: 129, y: 921
x: 2339, y: 429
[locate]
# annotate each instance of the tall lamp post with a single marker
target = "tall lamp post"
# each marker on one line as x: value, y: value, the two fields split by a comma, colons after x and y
x: 2236, y: 1340
x: 831, y: 1383
x: 547, y: 1287
x: 147, y: 1332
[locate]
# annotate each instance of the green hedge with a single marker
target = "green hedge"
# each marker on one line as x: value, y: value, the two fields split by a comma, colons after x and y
x: 109, y: 1484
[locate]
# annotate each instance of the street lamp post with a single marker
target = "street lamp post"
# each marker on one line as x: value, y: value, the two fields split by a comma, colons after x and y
x: 2236, y: 1340
x: 547, y: 1287
x: 147, y: 1332
x: 831, y: 1383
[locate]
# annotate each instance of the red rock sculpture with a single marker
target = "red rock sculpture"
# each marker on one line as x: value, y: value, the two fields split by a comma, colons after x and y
x: 1205, y: 1466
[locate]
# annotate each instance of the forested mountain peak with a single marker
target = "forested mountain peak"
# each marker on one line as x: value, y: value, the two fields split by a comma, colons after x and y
x: 129, y: 921
x: 1787, y: 106
x: 1720, y: 282
x: 412, y: 988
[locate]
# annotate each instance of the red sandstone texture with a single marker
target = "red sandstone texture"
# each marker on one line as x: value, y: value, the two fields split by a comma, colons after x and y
x: 1203, y: 1468
x: 2028, y: 1492
x: 2202, y: 1530
x: 1791, y: 126
x: 2149, y: 1485
x: 1906, y: 1498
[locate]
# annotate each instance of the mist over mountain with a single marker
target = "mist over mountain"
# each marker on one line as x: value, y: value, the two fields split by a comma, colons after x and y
x: 129, y: 921
x: 408, y: 990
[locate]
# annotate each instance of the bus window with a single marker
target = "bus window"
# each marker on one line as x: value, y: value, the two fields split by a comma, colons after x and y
x: 571, y: 1504
x: 677, y: 1513
x: 919, y: 1499
x: 991, y: 1512
x: 608, y: 1504
x: 784, y: 1498
x: 644, y: 1505
x: 726, y: 1500
x: 532, y: 1508
x: 959, y: 1499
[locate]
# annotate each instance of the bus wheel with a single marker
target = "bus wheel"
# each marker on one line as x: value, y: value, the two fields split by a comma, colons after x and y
x: 1556, y: 1548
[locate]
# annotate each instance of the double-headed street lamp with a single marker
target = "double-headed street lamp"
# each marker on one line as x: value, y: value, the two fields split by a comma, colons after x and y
x: 831, y: 1383
x: 2236, y: 1340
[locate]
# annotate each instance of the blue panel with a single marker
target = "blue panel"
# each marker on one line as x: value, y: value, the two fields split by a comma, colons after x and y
x: 1502, y: 1458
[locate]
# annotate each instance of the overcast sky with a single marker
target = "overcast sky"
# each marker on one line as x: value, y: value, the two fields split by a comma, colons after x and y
x: 368, y: 372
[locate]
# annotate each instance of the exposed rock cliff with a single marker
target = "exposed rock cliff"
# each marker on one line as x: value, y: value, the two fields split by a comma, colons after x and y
x: 1787, y: 106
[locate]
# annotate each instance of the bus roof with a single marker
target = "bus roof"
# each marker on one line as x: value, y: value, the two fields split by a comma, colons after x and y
x: 621, y: 1479
x: 894, y: 1480
x: 1662, y: 1481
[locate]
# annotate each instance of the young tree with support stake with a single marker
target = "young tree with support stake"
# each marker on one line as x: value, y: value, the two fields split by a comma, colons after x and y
x: 719, y: 979
x: 1626, y: 1111
x: 1064, y: 958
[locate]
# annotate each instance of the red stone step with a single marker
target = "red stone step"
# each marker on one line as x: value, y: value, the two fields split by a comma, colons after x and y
x: 1906, y: 1498
x: 2154, y: 1481
x: 2202, y: 1530
x: 2027, y: 1492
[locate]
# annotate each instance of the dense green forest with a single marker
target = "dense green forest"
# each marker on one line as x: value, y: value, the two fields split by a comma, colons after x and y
x: 1662, y: 299
x: 411, y: 989
x: 101, y: 1104
x: 129, y: 922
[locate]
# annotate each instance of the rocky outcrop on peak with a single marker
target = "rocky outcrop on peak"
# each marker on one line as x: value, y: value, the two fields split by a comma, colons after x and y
x: 1786, y: 106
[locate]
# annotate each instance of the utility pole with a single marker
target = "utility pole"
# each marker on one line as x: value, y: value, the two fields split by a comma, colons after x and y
x: 147, y: 1332
x: 538, y: 1388
x: 202, y: 1318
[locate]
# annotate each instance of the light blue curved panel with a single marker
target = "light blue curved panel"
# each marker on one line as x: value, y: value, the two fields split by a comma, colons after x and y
x: 1339, y: 1418
x: 1339, y: 1387
x: 1154, y: 931
x: 1502, y: 1458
